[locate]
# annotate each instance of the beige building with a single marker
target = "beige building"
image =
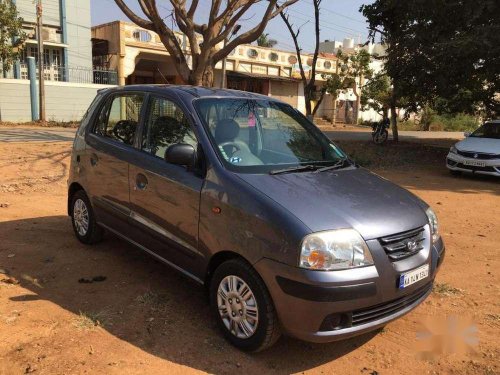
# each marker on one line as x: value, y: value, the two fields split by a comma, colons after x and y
x: 139, y: 57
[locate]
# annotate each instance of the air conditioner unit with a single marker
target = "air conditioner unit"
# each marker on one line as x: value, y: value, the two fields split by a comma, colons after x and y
x: 50, y: 35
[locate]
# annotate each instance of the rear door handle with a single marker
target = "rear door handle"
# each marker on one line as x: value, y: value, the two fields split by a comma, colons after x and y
x: 141, y: 182
x: 93, y: 160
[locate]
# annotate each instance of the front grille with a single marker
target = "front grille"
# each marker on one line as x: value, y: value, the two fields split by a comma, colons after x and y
x: 403, y: 245
x: 383, y: 310
x: 474, y: 168
x: 478, y: 155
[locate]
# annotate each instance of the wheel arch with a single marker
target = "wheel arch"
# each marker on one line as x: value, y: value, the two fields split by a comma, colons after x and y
x: 217, y: 259
x: 73, y: 188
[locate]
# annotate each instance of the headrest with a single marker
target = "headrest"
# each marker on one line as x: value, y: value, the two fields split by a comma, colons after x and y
x: 226, y: 130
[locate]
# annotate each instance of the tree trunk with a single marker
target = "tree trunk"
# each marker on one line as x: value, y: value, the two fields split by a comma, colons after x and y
x: 318, y: 103
x: 394, y: 122
x: 308, y: 98
x: 334, y: 116
x: 208, y: 76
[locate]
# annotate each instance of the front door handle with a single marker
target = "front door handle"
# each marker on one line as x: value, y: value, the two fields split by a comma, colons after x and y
x: 93, y: 160
x: 141, y: 182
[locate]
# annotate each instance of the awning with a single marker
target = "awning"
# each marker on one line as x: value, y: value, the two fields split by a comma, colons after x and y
x: 259, y: 76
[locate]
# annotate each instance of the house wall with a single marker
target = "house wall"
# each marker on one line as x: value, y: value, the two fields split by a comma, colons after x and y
x: 64, y: 101
x: 78, y: 27
x: 51, y: 11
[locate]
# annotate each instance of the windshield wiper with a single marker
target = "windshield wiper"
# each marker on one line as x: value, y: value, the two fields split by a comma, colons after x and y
x: 299, y: 168
x: 337, y: 165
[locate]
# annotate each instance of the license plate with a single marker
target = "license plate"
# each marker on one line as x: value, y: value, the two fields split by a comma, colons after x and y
x: 409, y: 278
x: 475, y: 163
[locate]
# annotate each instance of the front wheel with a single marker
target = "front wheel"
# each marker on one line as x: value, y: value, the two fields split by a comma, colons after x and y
x: 380, y: 137
x: 242, y: 306
x: 82, y: 216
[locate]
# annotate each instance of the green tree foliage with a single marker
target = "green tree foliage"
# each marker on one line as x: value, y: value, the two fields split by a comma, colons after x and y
x: 354, y: 70
x: 265, y: 41
x: 377, y: 94
x: 11, y: 34
x: 443, y: 54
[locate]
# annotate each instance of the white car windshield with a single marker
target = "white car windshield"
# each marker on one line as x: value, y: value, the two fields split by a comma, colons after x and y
x: 260, y: 136
x: 488, y: 130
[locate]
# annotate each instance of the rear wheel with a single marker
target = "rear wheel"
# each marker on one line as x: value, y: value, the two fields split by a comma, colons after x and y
x: 242, y: 306
x: 82, y: 216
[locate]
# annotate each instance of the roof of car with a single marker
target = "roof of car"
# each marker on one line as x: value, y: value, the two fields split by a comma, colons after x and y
x: 194, y: 91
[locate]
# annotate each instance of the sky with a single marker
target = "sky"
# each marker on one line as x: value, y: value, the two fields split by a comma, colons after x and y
x: 339, y: 19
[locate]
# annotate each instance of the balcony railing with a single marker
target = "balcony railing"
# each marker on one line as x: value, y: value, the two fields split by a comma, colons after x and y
x: 67, y: 74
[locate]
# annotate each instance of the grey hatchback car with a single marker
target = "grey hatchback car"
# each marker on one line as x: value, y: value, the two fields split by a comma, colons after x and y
x: 241, y: 193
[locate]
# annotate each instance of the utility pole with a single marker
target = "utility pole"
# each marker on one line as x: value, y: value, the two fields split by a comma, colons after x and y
x: 41, y: 76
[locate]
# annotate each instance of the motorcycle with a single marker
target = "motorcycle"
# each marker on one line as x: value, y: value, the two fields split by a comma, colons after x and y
x: 380, y: 133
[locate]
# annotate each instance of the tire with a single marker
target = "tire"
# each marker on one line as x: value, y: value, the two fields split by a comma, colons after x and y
x: 80, y: 209
x: 258, y: 327
x: 380, y: 138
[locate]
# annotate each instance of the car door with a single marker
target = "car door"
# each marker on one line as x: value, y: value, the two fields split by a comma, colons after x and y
x: 110, y: 142
x: 165, y: 198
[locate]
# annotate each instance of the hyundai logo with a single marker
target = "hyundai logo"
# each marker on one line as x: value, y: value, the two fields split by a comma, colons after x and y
x: 411, y: 245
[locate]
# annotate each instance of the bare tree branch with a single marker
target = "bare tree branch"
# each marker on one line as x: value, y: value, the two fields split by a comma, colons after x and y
x: 134, y: 17
x: 222, y: 19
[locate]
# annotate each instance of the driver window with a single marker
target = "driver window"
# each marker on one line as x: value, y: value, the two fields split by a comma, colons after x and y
x: 165, y: 125
x: 119, y: 119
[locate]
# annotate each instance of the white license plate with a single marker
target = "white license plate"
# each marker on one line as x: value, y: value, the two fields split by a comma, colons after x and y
x: 409, y: 278
x: 475, y: 163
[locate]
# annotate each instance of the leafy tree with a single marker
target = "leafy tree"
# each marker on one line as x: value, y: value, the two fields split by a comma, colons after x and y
x: 12, y: 35
x: 265, y: 41
x: 206, y: 39
x: 354, y: 70
x: 442, y: 54
x: 377, y: 94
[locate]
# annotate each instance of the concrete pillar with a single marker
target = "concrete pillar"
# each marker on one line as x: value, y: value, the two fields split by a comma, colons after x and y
x: 35, y: 116
x: 121, y: 70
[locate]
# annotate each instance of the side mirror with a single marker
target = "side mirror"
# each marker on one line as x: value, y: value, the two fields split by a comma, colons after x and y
x: 467, y: 134
x: 181, y: 154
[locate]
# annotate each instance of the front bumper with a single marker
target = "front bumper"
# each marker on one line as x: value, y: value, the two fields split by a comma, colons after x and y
x: 457, y: 163
x: 322, y: 307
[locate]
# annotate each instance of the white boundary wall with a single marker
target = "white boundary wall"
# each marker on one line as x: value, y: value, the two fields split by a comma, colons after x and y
x: 65, y: 101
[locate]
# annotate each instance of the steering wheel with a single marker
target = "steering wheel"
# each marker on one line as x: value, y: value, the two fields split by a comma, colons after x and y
x: 124, y: 130
x: 233, y: 144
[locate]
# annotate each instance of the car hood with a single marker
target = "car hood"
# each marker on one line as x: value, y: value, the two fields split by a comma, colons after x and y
x: 475, y: 144
x: 351, y: 198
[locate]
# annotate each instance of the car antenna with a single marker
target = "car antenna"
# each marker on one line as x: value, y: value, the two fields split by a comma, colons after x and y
x: 165, y: 79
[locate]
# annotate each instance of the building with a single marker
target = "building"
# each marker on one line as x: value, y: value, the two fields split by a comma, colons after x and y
x: 347, y: 100
x: 139, y: 57
x: 68, y: 69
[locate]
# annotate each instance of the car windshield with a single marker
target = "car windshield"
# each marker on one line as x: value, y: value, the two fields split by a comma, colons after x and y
x: 488, y: 130
x: 262, y: 136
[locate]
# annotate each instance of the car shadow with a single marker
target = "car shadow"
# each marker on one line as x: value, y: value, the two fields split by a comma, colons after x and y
x: 138, y: 300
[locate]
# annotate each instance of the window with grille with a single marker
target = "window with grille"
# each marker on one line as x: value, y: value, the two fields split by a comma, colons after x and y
x: 165, y: 125
x: 118, y: 119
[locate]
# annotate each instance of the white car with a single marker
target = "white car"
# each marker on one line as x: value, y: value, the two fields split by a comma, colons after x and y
x: 478, y: 153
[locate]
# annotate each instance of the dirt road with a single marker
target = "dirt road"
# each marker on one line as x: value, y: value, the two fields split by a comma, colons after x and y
x: 70, y: 309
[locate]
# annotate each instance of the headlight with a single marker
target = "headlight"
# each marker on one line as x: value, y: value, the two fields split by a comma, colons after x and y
x: 453, y: 150
x: 433, y: 222
x: 334, y: 250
